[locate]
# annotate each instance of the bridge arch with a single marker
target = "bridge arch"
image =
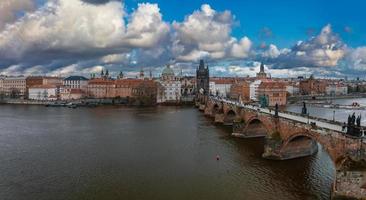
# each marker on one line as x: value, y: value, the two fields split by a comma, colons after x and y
x: 255, y: 128
x: 299, y: 145
x: 229, y: 116
x: 217, y: 108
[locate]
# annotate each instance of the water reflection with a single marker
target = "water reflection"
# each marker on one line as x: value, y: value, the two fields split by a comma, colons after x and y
x: 149, y: 153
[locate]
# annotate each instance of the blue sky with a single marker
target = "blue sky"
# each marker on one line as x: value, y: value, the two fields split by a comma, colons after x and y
x: 292, y: 37
x: 289, y: 20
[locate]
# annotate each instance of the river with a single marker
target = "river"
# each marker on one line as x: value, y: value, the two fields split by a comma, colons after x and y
x: 160, y: 153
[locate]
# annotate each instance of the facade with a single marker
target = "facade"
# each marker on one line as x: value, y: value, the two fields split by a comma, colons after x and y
x: 275, y: 92
x: 72, y: 94
x: 145, y: 92
x: 15, y: 87
x: 124, y: 87
x: 43, y: 80
x: 171, y: 86
x: 203, y: 78
x: 100, y: 88
x: 312, y: 86
x: 43, y: 92
x: 2, y: 85
x: 221, y: 86
x: 261, y: 74
x: 336, y: 89
x: 292, y: 89
x: 240, y: 91
x: 253, y: 93
x: 75, y: 82
x: 49, y: 80
x: 188, y: 86
x: 74, y: 87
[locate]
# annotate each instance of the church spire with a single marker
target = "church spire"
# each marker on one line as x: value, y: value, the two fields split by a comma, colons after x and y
x: 262, y: 68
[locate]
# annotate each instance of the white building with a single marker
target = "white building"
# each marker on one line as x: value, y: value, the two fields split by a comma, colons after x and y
x: 336, y: 89
x: 75, y: 82
x: 171, y: 86
x: 220, y: 87
x: 2, y: 85
x: 253, y: 90
x: 292, y: 89
x: 14, y: 86
x: 43, y: 92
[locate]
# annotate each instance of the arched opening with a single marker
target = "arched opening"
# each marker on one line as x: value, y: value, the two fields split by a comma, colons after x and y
x: 230, y: 117
x: 254, y: 129
x: 299, y: 146
x: 216, y: 109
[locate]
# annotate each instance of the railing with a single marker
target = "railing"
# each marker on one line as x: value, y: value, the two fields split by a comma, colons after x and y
x: 258, y: 109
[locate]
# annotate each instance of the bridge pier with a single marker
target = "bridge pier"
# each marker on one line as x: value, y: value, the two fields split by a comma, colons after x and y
x: 350, y: 181
x: 219, y: 118
x: 290, y: 136
x: 208, y: 112
x: 241, y: 130
x: 201, y: 107
x: 274, y: 149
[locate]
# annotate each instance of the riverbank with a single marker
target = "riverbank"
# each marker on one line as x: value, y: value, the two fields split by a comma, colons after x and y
x: 295, y: 99
x: 92, y: 102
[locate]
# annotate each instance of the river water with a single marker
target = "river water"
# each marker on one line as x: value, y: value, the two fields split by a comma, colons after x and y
x: 160, y: 153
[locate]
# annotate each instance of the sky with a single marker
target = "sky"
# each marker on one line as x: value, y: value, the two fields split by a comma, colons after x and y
x: 292, y: 38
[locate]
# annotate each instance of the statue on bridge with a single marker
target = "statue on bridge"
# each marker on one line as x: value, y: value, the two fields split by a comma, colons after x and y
x: 304, y: 110
x: 354, y: 125
x: 358, y: 121
x: 276, y: 110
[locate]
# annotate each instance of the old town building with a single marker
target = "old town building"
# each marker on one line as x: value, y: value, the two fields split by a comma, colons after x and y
x: 188, y: 88
x: 273, y: 93
x: 203, y: 78
x: 43, y: 80
x: 2, y: 85
x: 171, y: 86
x: 145, y: 92
x: 124, y: 87
x: 75, y: 82
x: 43, y: 92
x: 74, y: 87
x: 100, y: 88
x: 221, y: 86
x: 261, y: 74
x: 240, y: 91
x: 334, y: 89
x: 253, y: 93
x: 292, y: 88
x: 15, y: 87
x: 312, y: 86
x: 72, y: 94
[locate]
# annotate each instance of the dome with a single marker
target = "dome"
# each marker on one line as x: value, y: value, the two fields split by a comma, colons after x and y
x: 168, y: 71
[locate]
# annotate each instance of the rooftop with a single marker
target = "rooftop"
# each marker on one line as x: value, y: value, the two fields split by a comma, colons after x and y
x: 76, y: 78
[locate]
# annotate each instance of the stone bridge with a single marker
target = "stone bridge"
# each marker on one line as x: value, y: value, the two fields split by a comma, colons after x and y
x: 290, y: 135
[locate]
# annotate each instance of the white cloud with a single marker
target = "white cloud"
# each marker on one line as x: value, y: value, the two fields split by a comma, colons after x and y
x: 146, y: 27
x: 324, y: 50
x: 71, y: 26
x: 356, y: 59
x: 75, y: 69
x: 207, y: 33
x: 8, y: 9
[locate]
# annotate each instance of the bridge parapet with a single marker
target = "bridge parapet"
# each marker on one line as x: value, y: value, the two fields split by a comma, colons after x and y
x: 291, y: 135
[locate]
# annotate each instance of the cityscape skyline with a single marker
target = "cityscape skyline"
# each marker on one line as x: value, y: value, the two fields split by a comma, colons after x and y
x: 63, y: 38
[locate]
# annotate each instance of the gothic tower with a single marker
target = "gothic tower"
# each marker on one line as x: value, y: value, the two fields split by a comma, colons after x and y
x: 203, y: 79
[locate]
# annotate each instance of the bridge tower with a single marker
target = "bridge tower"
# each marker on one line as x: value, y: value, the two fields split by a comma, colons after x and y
x: 203, y: 78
